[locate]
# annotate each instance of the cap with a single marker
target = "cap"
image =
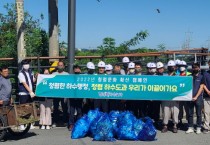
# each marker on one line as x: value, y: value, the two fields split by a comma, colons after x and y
x: 54, y: 64
x: 171, y: 63
x: 109, y: 67
x: 125, y: 60
x: 152, y: 65
x: 148, y: 64
x: 182, y: 62
x: 160, y: 65
x: 131, y: 65
x: 101, y: 64
x: 90, y: 65
x: 177, y: 62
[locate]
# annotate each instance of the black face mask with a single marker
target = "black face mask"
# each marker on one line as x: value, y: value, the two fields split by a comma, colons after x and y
x: 76, y: 72
x: 195, y: 71
x: 91, y: 71
x: 116, y: 72
x: 171, y: 69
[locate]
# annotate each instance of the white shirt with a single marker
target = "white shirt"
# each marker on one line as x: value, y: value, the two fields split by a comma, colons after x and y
x: 22, y: 79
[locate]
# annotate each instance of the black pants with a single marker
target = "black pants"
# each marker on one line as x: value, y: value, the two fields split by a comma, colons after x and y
x: 198, y: 107
x: 154, y: 110
x: 136, y: 106
x: 56, y: 117
x: 25, y: 99
x: 183, y: 105
x: 75, y: 104
x: 102, y: 104
x: 116, y: 105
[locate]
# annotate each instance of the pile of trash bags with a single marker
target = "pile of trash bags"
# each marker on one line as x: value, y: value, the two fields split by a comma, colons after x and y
x: 115, y: 125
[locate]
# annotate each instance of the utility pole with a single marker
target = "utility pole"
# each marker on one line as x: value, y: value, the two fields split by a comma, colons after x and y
x: 71, y: 34
x: 20, y: 30
x: 53, y: 29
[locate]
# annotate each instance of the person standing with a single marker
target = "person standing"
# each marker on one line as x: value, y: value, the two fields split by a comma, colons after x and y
x: 170, y: 107
x: 5, y: 86
x: 56, y: 101
x: 45, y: 109
x: 102, y: 104
x: 75, y: 104
x: 183, y: 105
x: 25, y: 85
x: 88, y: 103
x: 206, y: 98
x: 197, y: 100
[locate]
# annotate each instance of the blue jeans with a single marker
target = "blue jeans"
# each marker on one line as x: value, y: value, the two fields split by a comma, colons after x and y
x: 198, y: 104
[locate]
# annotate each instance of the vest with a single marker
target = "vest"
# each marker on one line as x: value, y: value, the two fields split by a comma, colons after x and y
x: 21, y: 86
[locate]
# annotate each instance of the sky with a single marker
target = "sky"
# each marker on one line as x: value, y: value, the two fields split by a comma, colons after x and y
x: 179, y: 21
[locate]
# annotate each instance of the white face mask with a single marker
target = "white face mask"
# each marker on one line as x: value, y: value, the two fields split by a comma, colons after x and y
x: 132, y: 70
x: 182, y: 68
x: 26, y: 66
x: 153, y: 70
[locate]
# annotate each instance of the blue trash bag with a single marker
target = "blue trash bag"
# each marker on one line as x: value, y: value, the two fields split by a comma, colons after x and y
x: 138, y: 126
x: 113, y: 116
x: 104, y: 129
x: 93, y: 114
x: 149, y: 131
x: 93, y: 124
x: 126, y: 126
x: 81, y: 128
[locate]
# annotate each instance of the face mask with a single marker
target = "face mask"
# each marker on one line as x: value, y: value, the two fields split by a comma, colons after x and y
x: 182, y: 69
x: 116, y: 72
x: 131, y: 71
x: 90, y: 71
x: 153, y: 70
x: 60, y: 69
x: 195, y: 71
x: 138, y: 70
x: 171, y: 69
x: 76, y: 72
x: 26, y: 66
x: 108, y: 72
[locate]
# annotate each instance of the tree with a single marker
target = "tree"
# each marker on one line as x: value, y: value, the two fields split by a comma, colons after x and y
x: 161, y: 47
x: 36, y: 39
x: 108, y: 46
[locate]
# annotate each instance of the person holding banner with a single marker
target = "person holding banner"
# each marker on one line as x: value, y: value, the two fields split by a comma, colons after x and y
x: 88, y: 103
x: 45, y: 109
x: 183, y: 105
x: 170, y: 107
x: 101, y: 104
x: 26, y: 83
x: 56, y: 101
x: 75, y: 104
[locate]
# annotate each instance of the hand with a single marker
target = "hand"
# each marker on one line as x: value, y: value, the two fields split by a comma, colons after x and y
x: 208, y: 93
x: 194, y: 99
x: 32, y: 94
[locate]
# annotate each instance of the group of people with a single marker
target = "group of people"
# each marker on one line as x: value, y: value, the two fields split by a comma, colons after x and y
x: 74, y: 108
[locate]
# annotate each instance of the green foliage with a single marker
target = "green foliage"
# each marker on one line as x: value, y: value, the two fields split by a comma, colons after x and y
x: 36, y: 39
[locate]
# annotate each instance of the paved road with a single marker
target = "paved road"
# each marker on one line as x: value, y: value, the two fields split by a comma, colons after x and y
x: 61, y: 136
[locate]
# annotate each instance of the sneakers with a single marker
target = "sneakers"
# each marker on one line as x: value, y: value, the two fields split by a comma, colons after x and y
x: 47, y: 127
x: 190, y: 130
x: 164, y: 130
x: 43, y: 127
x: 21, y: 127
x: 54, y: 125
x: 198, y: 130
x: 32, y: 126
x: 205, y: 131
x: 174, y: 130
